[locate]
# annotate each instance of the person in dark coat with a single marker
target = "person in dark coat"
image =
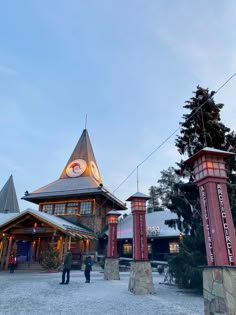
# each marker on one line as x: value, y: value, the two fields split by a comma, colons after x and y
x: 88, y: 268
x: 12, y: 263
x: 66, y: 267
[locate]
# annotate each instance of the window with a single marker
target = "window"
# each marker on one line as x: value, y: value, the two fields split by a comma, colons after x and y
x: 127, y: 249
x: 86, y: 207
x: 59, y: 208
x: 72, y: 208
x: 47, y: 209
x: 149, y: 247
x: 174, y: 248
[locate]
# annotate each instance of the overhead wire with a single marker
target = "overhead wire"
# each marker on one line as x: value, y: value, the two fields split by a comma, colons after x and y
x: 174, y: 132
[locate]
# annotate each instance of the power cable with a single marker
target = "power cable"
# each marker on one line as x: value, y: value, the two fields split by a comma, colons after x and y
x: 174, y: 132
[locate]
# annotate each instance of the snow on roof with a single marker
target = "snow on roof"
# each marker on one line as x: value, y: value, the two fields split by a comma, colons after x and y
x: 138, y: 195
x: 4, y: 217
x: 59, y: 222
x: 208, y: 150
x: 155, y: 219
x: 73, y: 187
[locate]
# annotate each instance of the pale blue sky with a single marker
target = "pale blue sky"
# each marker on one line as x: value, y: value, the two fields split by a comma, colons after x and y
x: 129, y: 65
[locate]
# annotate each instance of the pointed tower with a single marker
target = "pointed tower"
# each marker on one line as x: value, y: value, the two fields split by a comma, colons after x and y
x: 79, y: 194
x: 8, y: 198
x: 82, y: 162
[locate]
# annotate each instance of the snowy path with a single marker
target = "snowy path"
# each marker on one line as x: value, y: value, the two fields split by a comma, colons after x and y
x: 40, y: 293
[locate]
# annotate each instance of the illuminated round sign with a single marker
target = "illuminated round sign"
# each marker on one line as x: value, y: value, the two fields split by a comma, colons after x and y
x: 94, y: 170
x: 76, y: 168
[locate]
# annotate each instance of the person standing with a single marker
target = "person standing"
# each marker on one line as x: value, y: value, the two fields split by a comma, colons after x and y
x: 67, y: 267
x: 88, y: 268
x: 12, y: 263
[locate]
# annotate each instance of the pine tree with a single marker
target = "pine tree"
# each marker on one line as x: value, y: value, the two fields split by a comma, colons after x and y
x: 50, y: 258
x: 160, y: 194
x: 153, y: 202
x: 202, y: 127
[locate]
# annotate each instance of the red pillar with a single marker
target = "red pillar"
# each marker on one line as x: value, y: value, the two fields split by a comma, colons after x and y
x: 112, y: 233
x: 138, y: 209
x: 219, y: 232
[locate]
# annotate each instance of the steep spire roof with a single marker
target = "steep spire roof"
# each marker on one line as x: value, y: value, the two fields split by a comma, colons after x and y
x: 80, y: 177
x: 8, y: 198
x: 82, y: 162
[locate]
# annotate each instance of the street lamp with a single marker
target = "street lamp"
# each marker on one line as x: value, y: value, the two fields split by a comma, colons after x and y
x: 111, y: 269
x: 141, y: 281
x: 113, y: 216
x: 211, y: 179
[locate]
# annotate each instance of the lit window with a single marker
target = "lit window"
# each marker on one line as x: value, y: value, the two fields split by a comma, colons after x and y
x: 223, y: 173
x: 59, y: 208
x: 149, y: 248
x: 174, y: 248
x: 222, y: 166
x: 210, y: 171
x: 47, y: 209
x: 127, y: 249
x: 217, y: 172
x: 72, y: 208
x: 209, y: 164
x: 86, y: 207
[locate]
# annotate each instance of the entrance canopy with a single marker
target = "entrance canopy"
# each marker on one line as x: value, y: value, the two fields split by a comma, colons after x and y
x: 32, y: 222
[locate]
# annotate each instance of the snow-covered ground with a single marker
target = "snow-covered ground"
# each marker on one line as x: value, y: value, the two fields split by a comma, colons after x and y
x: 40, y: 293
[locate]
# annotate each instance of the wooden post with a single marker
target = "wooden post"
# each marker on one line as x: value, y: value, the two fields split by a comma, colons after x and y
x: 33, y: 251
x: 38, y: 249
x: 69, y: 244
x: 65, y: 245
x: 3, y: 253
x: 1, y: 248
x: 61, y: 248
x: 8, y: 252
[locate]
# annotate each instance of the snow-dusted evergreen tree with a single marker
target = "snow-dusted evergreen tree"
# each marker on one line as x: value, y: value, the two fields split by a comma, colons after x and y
x: 50, y: 258
x: 202, y: 127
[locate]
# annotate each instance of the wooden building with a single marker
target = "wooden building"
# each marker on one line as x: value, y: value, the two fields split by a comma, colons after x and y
x: 162, y: 240
x: 71, y: 212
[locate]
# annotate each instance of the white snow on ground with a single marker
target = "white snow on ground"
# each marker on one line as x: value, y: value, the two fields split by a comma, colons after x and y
x: 40, y: 293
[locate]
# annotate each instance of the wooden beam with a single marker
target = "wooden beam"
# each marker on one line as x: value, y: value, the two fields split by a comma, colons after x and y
x: 8, y: 252
x: 61, y: 248
x: 69, y: 244
x: 3, y: 252
x: 38, y: 249
x: 14, y: 224
x: 21, y: 231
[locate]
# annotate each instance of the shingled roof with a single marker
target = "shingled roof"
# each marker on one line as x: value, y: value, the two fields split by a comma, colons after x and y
x: 154, y: 219
x: 59, y: 223
x: 80, y: 177
x: 8, y: 198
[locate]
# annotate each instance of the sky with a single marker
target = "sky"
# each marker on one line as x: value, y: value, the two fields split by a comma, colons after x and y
x: 128, y: 65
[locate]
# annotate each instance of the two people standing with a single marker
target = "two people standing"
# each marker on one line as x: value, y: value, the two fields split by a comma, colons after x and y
x: 67, y: 268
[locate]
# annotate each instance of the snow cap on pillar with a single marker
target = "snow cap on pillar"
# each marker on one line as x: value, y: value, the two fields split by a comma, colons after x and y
x: 138, y: 195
